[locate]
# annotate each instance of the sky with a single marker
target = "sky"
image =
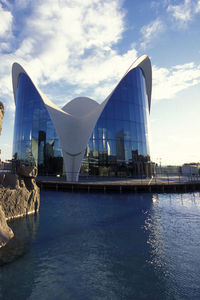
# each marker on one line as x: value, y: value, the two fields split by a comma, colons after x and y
x: 74, y: 48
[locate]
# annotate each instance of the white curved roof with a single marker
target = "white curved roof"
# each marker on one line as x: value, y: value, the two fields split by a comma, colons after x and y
x: 80, y: 106
x: 75, y: 122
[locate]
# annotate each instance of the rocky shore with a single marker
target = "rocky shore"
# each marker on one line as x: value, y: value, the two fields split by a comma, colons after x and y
x: 19, y: 194
x: 6, y: 232
x: 18, y: 197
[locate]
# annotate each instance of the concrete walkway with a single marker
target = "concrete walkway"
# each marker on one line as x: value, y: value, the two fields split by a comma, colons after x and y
x: 158, y: 184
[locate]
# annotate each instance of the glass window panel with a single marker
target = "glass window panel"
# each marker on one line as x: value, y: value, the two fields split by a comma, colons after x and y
x: 109, y: 110
x: 100, y: 133
x: 118, y: 112
x: 117, y: 94
x: 143, y: 133
x: 118, y: 125
x: 128, y: 154
x: 137, y: 113
x: 111, y: 129
x: 145, y: 149
x: 141, y: 114
x: 140, y: 148
x: 133, y: 129
x: 100, y: 145
x: 125, y: 111
x: 111, y: 144
x: 127, y: 129
x: 139, y: 132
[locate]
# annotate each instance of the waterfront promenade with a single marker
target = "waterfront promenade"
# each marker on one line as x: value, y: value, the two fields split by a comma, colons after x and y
x: 160, y: 183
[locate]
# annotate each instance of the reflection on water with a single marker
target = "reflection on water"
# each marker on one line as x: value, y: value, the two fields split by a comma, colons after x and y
x: 107, y: 246
x: 14, y: 267
x: 174, y: 227
x: 24, y: 230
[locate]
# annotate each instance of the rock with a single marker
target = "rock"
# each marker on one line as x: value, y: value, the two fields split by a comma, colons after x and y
x: 9, y: 180
x: 6, y: 232
x: 19, y: 199
x: 25, y: 230
x: 19, y: 194
x: 27, y: 171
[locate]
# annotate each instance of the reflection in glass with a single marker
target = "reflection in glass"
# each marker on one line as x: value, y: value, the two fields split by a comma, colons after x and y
x: 35, y: 138
x: 123, y: 124
x: 118, y: 145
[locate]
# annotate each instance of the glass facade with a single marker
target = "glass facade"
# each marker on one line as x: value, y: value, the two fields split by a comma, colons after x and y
x: 119, y: 145
x: 35, y: 139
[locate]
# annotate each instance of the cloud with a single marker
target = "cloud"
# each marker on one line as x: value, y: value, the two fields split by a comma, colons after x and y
x: 197, y: 8
x: 71, y: 47
x: 64, y: 33
x: 6, y: 23
x: 183, y: 13
x: 151, y: 31
x: 71, y: 43
x: 168, y: 82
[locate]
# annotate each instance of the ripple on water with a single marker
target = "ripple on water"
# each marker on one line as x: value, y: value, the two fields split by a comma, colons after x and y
x: 106, y: 246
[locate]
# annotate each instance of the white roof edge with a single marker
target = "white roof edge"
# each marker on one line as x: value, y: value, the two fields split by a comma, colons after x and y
x: 17, y: 69
x: 144, y: 63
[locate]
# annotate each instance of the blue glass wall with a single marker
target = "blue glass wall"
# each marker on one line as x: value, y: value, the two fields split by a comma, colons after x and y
x: 118, y: 145
x: 35, y: 139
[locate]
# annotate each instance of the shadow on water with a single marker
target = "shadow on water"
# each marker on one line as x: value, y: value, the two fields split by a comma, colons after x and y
x: 24, y: 229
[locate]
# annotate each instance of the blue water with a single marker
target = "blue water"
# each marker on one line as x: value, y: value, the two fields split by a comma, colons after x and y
x: 105, y: 246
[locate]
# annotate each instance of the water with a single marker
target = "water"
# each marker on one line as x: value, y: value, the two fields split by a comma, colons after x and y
x: 105, y: 246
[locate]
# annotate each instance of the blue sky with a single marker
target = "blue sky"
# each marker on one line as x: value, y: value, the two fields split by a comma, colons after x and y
x: 76, y: 48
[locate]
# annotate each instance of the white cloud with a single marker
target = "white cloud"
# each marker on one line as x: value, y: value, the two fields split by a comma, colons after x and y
x: 184, y: 12
x: 181, y: 12
x: 72, y: 43
x: 155, y: 4
x: 5, y: 81
x: 197, y: 8
x: 21, y: 4
x: 151, y: 31
x: 168, y: 82
x: 6, y: 22
x: 69, y: 42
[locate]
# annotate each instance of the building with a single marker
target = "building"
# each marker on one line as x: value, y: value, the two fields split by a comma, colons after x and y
x: 107, y: 139
x: 190, y: 169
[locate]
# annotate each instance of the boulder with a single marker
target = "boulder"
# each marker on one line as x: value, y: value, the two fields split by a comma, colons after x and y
x: 6, y: 232
x: 19, y: 194
x: 27, y: 171
x: 25, y: 230
x: 9, y: 180
x: 19, y: 199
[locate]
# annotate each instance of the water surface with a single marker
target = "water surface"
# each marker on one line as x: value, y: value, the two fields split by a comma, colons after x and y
x: 105, y: 246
